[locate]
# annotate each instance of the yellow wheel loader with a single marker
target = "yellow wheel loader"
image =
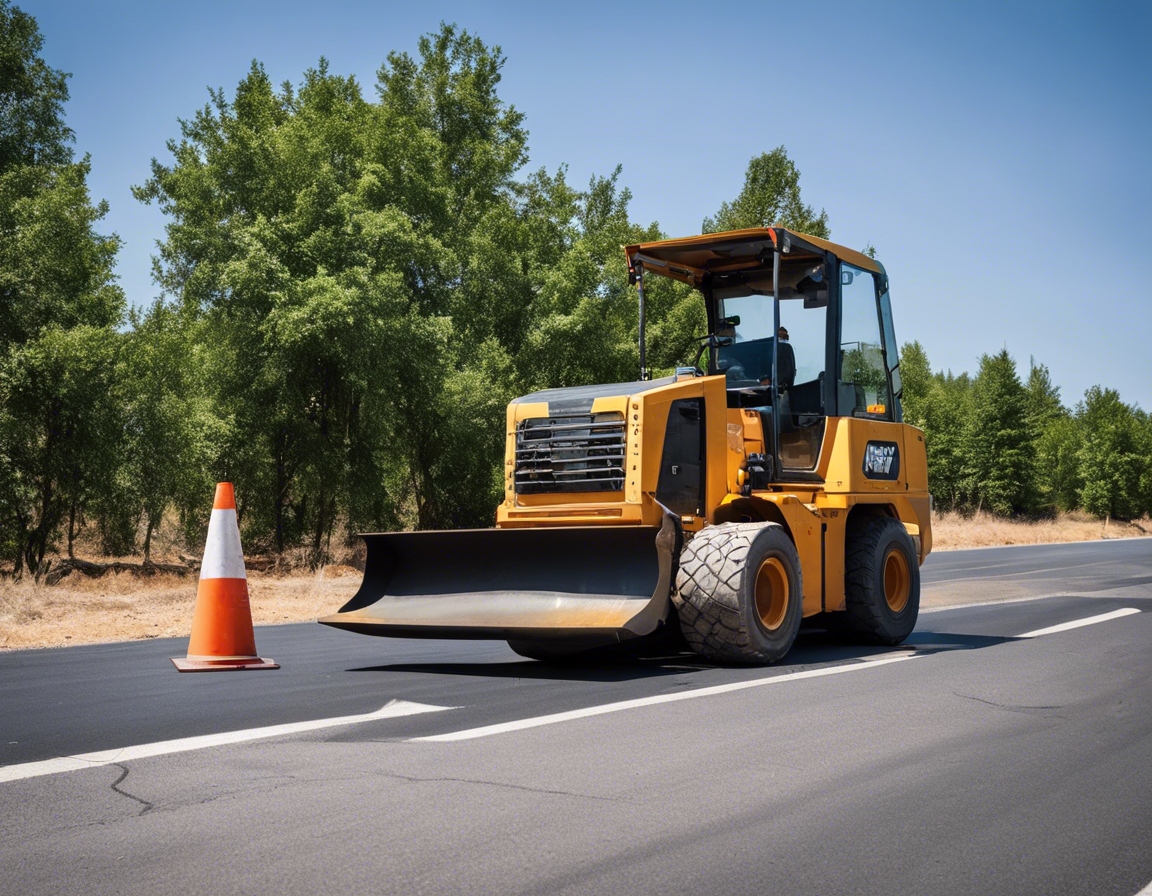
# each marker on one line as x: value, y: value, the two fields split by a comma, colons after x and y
x: 727, y: 503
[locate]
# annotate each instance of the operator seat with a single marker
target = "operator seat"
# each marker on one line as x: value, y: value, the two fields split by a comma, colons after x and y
x: 786, y: 366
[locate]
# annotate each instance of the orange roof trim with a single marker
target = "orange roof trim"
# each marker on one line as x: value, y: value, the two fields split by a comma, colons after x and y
x: 689, y: 259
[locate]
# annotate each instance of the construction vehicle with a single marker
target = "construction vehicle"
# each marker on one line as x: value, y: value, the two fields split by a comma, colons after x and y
x: 778, y: 484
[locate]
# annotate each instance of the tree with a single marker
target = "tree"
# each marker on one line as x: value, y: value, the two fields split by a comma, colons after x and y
x: 998, y: 439
x: 1144, y: 440
x: 59, y: 303
x: 1058, y: 463
x: 916, y: 379
x: 1048, y: 421
x: 946, y: 411
x: 169, y: 433
x: 359, y: 271
x: 32, y: 97
x: 368, y: 284
x: 1111, y: 462
x: 60, y: 432
x: 771, y: 195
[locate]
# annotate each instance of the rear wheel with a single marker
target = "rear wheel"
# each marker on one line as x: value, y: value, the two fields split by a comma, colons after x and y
x: 738, y: 592
x: 881, y: 581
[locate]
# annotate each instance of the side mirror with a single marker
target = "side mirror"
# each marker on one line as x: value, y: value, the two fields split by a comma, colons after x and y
x: 729, y: 322
x: 845, y: 278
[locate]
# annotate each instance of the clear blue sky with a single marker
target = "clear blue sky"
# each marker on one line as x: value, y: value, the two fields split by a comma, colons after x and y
x: 997, y: 155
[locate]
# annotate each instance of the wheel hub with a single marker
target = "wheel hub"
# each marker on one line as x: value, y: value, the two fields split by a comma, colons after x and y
x: 772, y: 593
x: 897, y: 580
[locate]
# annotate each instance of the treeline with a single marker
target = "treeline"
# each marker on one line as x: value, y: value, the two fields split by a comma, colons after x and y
x: 1008, y: 445
x: 353, y: 286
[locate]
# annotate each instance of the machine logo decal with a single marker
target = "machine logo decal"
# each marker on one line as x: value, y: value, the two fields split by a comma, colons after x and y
x: 882, y: 460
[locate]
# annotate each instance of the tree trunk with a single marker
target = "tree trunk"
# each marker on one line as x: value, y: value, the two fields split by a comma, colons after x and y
x: 148, y: 539
x: 71, y: 528
x: 21, y: 544
x: 281, y: 493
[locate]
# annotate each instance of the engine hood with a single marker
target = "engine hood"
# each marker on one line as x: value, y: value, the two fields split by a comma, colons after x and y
x: 579, y: 399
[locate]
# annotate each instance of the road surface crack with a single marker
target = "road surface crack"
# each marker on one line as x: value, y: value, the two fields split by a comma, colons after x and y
x: 502, y: 784
x: 117, y: 789
x: 1010, y: 707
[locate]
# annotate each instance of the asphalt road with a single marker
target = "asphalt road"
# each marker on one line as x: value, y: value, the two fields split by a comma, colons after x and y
x: 971, y: 760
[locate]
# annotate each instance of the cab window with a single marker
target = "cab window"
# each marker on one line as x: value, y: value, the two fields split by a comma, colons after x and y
x: 863, y: 380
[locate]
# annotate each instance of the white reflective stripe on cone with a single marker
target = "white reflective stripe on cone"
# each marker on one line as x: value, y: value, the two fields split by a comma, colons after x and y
x: 223, y: 557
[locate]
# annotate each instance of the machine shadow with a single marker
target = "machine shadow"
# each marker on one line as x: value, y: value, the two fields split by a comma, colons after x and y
x: 813, y: 647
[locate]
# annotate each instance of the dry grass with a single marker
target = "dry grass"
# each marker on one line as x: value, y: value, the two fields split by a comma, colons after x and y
x: 124, y: 607
x: 953, y: 531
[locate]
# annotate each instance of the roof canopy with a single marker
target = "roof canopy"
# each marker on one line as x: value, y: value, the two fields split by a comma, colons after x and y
x: 690, y: 259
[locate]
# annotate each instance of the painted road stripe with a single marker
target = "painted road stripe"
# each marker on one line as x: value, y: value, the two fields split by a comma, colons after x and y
x: 538, y: 721
x: 1079, y: 623
x: 392, y: 710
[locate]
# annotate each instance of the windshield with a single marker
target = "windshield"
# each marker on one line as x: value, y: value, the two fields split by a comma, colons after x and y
x: 746, y: 316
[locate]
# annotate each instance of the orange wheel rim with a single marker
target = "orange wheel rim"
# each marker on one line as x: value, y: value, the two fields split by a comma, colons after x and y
x: 897, y: 580
x: 772, y: 593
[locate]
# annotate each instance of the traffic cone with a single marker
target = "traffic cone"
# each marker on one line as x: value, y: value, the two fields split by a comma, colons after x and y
x: 222, y: 636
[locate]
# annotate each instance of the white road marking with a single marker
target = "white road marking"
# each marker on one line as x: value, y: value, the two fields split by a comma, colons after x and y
x: 521, y: 724
x: 1147, y: 891
x: 1079, y: 623
x: 23, y: 770
x: 1018, y: 574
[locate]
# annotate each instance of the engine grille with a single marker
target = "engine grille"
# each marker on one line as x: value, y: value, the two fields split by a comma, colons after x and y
x: 575, y: 453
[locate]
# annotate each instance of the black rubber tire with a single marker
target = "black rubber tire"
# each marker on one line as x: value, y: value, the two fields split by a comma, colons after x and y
x: 869, y: 616
x: 716, y: 592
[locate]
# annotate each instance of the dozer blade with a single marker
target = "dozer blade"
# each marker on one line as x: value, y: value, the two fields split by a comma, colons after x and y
x: 588, y: 584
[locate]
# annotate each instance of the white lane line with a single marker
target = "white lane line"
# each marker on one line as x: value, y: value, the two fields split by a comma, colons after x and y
x: 521, y: 724
x: 1079, y: 623
x: 392, y: 710
x: 1147, y: 891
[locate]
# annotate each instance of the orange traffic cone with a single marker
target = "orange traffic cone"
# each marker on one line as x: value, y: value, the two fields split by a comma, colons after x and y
x: 222, y: 636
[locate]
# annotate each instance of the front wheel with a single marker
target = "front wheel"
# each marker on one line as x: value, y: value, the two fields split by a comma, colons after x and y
x: 738, y: 592
x: 881, y: 581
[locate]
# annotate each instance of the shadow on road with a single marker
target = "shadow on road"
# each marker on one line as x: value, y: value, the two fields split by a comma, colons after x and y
x: 813, y: 647
x: 936, y: 642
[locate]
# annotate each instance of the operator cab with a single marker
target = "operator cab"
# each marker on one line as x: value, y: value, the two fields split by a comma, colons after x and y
x: 788, y: 315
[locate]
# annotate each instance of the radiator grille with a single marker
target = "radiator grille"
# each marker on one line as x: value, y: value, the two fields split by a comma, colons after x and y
x: 575, y: 453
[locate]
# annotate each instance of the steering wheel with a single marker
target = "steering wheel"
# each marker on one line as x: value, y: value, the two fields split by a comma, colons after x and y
x: 709, y: 341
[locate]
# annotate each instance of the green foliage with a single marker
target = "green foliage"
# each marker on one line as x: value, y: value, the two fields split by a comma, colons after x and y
x: 55, y: 270
x: 354, y: 288
x: 1113, y: 457
x: 998, y: 440
x: 1012, y: 447
x: 1058, y: 479
x: 370, y: 285
x: 864, y: 366
x: 1054, y: 484
x: 169, y: 430
x: 32, y: 97
x: 916, y: 376
x: 946, y: 412
x: 59, y: 302
x: 59, y: 431
x: 771, y: 195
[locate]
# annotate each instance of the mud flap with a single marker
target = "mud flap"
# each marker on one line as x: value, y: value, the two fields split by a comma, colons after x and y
x: 597, y: 584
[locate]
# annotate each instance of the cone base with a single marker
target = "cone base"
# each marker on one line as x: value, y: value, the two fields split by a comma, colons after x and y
x: 229, y: 664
